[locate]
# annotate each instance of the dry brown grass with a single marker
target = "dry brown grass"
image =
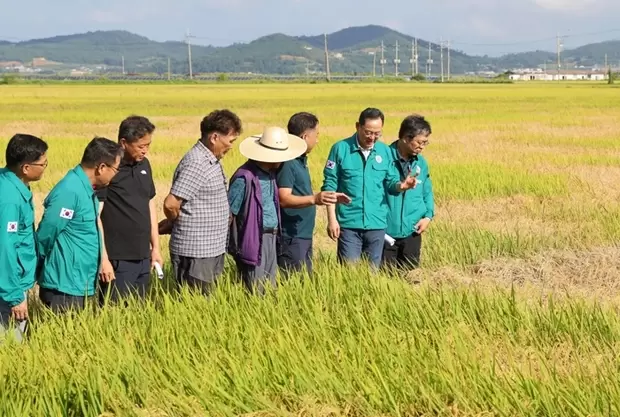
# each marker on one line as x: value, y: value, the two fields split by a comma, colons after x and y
x: 592, y: 275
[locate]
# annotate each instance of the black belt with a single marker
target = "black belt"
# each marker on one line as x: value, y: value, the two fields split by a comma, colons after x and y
x: 271, y: 230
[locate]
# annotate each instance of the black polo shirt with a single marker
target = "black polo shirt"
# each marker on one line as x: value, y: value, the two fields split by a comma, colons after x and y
x: 126, y: 217
x: 406, y: 165
x: 294, y: 174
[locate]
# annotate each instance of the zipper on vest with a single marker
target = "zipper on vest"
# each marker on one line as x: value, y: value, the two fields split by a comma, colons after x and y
x: 402, y: 206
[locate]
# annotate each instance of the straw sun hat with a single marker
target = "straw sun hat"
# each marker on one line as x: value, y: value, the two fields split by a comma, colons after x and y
x: 273, y: 145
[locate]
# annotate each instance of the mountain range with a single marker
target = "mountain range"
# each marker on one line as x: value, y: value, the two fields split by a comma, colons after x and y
x: 350, y: 52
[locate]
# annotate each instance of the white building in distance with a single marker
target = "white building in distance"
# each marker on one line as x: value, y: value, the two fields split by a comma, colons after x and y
x: 563, y: 75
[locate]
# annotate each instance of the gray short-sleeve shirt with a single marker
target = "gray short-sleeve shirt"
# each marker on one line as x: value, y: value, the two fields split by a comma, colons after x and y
x: 201, y: 230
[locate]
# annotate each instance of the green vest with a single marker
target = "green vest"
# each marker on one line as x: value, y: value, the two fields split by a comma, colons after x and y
x: 365, y: 181
x: 18, y: 256
x: 70, y: 244
x: 409, y: 207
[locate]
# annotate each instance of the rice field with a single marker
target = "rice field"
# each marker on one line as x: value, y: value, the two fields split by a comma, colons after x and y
x: 514, y: 311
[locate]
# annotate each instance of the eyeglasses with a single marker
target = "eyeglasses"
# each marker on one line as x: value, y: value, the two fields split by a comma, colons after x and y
x: 110, y: 166
x: 44, y: 164
x: 370, y: 134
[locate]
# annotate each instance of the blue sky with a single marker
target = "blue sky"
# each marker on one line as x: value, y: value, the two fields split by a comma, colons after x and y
x: 474, y: 26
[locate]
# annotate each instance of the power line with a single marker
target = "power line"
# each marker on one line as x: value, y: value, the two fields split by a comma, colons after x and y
x: 539, y: 40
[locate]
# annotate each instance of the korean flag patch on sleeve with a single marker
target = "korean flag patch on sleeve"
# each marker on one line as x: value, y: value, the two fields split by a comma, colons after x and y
x: 66, y: 213
x: 11, y: 227
x: 330, y: 164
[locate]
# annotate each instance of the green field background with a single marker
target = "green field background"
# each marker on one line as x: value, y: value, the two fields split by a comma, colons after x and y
x: 500, y: 322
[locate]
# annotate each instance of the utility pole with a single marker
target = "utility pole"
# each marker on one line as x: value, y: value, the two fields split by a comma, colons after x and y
x: 441, y: 57
x: 606, y: 65
x: 189, y: 54
x: 383, y: 61
x: 326, y: 59
x: 168, y: 68
x: 123, y: 63
x: 429, y: 61
x: 414, y: 59
x: 396, y: 61
x: 417, y: 57
x: 448, y: 60
x: 374, y: 64
x: 559, y: 48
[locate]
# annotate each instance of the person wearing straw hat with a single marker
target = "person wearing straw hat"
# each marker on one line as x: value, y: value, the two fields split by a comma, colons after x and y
x: 255, y: 207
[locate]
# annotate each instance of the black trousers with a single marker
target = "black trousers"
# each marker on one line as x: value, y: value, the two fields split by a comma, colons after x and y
x: 18, y: 328
x: 59, y: 302
x: 295, y: 253
x: 404, y: 254
x: 131, y: 277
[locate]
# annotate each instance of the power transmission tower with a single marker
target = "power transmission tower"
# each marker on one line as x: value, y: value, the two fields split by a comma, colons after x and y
x: 383, y: 61
x: 374, y: 64
x: 448, y: 60
x: 441, y: 57
x: 417, y: 57
x: 123, y: 63
x: 414, y: 59
x: 168, y: 68
x: 326, y: 59
x: 429, y: 61
x: 396, y: 61
x: 559, y: 49
x: 189, y: 53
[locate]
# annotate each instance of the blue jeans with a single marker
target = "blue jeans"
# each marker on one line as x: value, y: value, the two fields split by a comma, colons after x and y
x: 353, y: 243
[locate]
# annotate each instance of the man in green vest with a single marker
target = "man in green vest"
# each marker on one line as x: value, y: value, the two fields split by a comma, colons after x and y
x: 69, y: 236
x: 359, y: 167
x: 26, y: 161
x: 411, y: 212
